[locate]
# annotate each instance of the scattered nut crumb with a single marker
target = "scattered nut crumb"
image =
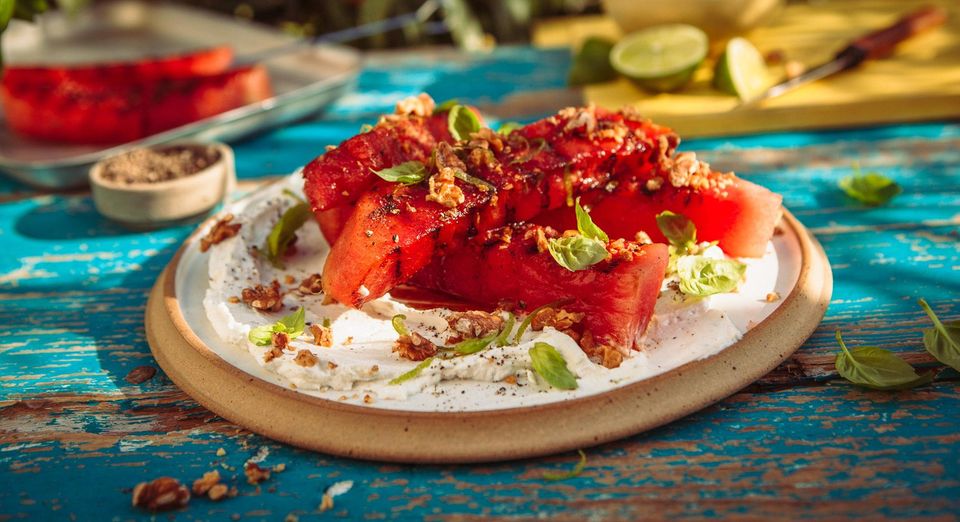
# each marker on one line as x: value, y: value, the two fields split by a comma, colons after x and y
x: 279, y: 468
x: 510, y: 379
x: 233, y: 299
x: 203, y: 484
x: 280, y: 340
x: 331, y: 365
x: 221, y: 452
x: 218, y: 492
x: 221, y: 231
x: 414, y: 347
x: 312, y: 284
x: 263, y: 298
x: 289, y: 279
x: 305, y: 358
x: 322, y: 335
x: 254, y: 473
x: 473, y: 324
x: 161, y: 494
x: 557, y: 318
x: 141, y: 374
x: 367, y: 399
x: 773, y: 297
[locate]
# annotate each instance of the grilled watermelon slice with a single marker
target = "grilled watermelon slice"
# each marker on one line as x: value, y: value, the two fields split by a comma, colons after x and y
x: 616, y: 296
x: 93, y: 112
x: 741, y: 216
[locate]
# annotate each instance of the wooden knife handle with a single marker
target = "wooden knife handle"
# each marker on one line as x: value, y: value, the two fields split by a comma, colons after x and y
x: 880, y: 43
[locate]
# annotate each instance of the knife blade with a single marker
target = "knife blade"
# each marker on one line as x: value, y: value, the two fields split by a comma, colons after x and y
x: 877, y: 44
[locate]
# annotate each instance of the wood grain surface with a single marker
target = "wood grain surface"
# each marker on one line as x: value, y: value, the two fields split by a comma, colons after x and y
x: 76, y: 435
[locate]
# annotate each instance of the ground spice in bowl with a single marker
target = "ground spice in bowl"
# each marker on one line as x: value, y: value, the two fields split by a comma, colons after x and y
x: 158, y: 165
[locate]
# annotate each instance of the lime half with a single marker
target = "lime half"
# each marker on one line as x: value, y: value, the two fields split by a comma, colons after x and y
x: 660, y: 58
x: 741, y: 70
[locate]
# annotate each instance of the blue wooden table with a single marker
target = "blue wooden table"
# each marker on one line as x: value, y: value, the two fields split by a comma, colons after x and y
x: 76, y: 436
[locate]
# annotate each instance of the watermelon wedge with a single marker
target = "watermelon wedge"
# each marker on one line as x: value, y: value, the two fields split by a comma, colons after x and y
x: 94, y: 112
x: 395, y: 231
x: 616, y: 296
x: 741, y: 216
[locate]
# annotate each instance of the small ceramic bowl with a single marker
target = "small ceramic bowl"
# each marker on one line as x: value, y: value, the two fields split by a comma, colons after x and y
x: 146, y: 205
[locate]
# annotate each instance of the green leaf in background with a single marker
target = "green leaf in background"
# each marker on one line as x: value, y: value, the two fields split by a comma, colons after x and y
x: 587, y: 227
x: 943, y: 340
x: 407, y: 173
x: 462, y: 122
x: 415, y: 372
x: 284, y: 231
x: 577, y: 470
x: 6, y: 12
x: 877, y: 369
x: 550, y: 364
x: 577, y: 252
x: 702, y: 276
x: 871, y: 188
x: 592, y: 63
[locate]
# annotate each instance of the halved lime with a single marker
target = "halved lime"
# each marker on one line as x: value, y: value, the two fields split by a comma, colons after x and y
x: 660, y: 58
x: 741, y: 70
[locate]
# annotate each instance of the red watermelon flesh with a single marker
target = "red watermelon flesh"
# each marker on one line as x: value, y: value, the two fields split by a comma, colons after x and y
x: 741, y: 216
x: 616, y: 296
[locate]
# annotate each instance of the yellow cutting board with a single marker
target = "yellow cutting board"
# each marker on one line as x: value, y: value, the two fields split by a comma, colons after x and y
x: 921, y: 81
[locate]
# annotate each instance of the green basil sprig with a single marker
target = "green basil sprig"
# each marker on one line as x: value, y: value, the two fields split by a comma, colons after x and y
x: 462, y: 121
x: 877, y: 368
x: 407, y: 173
x: 583, y: 251
x: 550, y: 364
x: 943, y: 340
x: 702, y: 276
x: 292, y: 325
x: 284, y: 231
x: 870, y: 188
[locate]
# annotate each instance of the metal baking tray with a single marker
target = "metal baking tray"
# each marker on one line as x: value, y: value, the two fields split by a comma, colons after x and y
x: 305, y: 79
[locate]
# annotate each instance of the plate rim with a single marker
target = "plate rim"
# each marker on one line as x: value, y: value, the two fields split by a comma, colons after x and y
x: 813, y: 263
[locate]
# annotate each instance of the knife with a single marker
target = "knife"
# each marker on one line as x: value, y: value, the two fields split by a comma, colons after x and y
x: 877, y: 44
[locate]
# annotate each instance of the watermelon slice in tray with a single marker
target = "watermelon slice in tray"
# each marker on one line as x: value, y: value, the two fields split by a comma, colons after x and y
x: 482, y: 245
x: 120, y: 102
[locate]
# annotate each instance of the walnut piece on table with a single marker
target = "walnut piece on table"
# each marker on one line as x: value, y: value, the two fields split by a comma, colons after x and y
x: 254, y: 473
x: 161, y: 494
x: 203, y: 484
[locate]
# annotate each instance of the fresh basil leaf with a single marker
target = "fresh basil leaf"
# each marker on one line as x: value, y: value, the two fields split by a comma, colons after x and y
x: 447, y: 105
x: 529, y: 318
x: 469, y: 346
x: 587, y: 227
x: 504, y: 337
x: 408, y: 173
x: 284, y: 231
x: 871, y: 188
x: 507, y: 128
x: 261, y: 335
x: 592, y: 63
x: 943, y: 340
x: 702, y: 276
x: 877, y: 369
x: 416, y: 371
x: 462, y: 121
x: 577, y: 252
x: 569, y: 474
x: 679, y: 231
x: 397, y: 322
x: 550, y: 364
x: 293, y: 324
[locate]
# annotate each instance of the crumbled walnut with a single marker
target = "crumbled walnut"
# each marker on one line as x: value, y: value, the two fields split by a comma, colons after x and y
x: 305, y: 358
x: 263, y: 298
x: 233, y: 299
x: 218, y: 492
x: 473, y: 324
x: 328, y: 148
x: 420, y: 105
x: 773, y: 297
x: 272, y: 354
x: 654, y: 184
x: 367, y: 399
x: 322, y: 335
x: 221, y: 452
x: 254, y: 473
x: 581, y: 118
x: 203, y: 484
x: 220, y: 231
x: 280, y: 468
x: 414, y: 347
x: 540, y: 233
x: 557, y: 318
x: 510, y: 379
x: 289, y: 279
x: 587, y: 344
x: 280, y: 340
x: 161, y: 494
x: 326, y: 503
x: 611, y: 357
x: 312, y: 284
x: 442, y: 184
x: 331, y: 365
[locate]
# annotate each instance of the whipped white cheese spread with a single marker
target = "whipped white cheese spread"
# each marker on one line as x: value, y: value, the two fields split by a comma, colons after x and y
x: 360, y: 364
